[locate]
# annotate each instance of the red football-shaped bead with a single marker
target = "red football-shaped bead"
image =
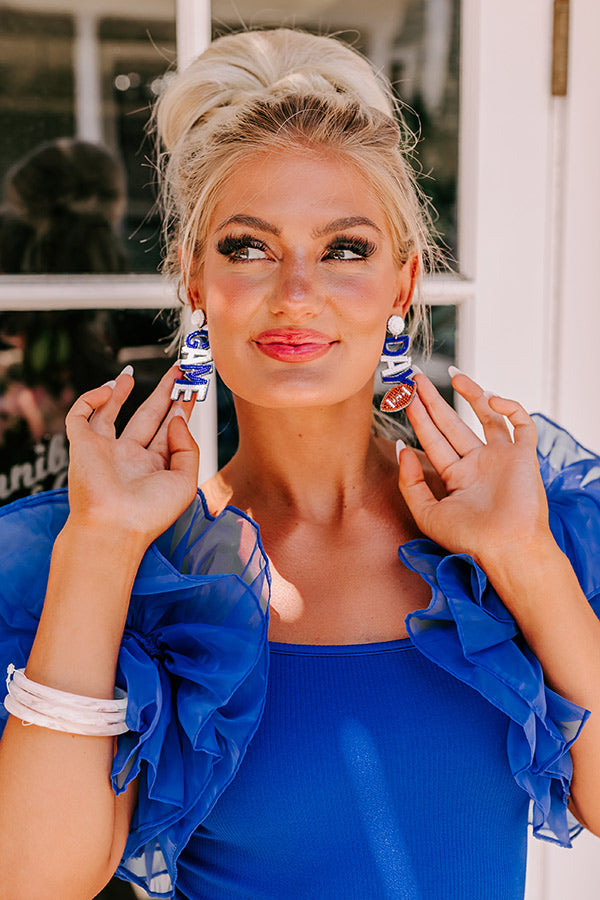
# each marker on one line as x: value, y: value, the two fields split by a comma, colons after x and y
x: 398, y: 397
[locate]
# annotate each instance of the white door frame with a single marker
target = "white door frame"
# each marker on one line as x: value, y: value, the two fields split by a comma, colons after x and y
x: 529, y: 191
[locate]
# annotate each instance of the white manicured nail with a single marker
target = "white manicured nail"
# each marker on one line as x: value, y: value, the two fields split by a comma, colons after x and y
x: 489, y: 394
x: 179, y: 413
x: 452, y: 371
x: 109, y: 384
x: 128, y: 370
x: 400, y: 445
x: 417, y: 370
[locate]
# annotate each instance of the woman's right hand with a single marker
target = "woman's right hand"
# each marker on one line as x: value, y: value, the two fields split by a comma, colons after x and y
x: 140, y: 482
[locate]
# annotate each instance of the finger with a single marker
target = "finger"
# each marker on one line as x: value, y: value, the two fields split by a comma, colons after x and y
x: 146, y: 421
x: 183, y: 449
x: 494, y: 425
x: 415, y: 490
x: 160, y: 441
x: 447, y: 420
x: 77, y: 419
x: 525, y: 431
x: 102, y: 420
x: 438, y: 449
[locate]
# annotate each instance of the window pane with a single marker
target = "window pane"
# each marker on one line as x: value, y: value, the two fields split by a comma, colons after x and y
x: 135, y: 54
x: 91, y: 78
x: 36, y: 88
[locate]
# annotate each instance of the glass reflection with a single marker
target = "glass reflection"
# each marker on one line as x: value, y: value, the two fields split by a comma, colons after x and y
x: 62, y: 211
x: 78, y: 72
x: 46, y: 360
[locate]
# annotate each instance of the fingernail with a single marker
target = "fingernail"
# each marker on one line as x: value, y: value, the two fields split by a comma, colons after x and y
x: 109, y: 384
x: 128, y: 370
x: 489, y: 394
x: 452, y: 371
x: 417, y: 370
x: 179, y: 414
x: 400, y: 445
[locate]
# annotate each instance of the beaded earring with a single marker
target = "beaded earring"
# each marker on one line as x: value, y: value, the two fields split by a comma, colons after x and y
x: 196, y: 362
x: 398, y: 369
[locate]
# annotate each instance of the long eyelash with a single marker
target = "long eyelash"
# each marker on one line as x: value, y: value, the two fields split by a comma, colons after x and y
x: 359, y: 245
x: 229, y: 244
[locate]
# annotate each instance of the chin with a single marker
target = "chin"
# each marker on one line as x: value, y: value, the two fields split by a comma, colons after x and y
x: 294, y: 396
x: 300, y: 387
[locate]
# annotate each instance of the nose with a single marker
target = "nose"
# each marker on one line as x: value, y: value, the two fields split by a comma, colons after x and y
x: 296, y: 295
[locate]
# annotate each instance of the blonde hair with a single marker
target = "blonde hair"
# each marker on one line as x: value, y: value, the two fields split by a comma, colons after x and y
x: 273, y: 90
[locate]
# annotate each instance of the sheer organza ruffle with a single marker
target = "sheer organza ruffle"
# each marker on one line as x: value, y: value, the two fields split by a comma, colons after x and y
x: 193, y: 660
x: 469, y: 632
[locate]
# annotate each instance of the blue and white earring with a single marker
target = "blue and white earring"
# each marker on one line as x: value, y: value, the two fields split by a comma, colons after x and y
x: 398, y: 369
x: 196, y: 362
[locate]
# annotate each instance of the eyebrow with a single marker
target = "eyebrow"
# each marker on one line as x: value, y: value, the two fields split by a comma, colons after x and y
x: 250, y: 222
x: 329, y: 228
x: 342, y: 224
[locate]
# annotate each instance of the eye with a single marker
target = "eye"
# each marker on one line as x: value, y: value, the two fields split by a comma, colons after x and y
x: 343, y: 253
x: 248, y: 253
x: 239, y: 248
x: 349, y: 248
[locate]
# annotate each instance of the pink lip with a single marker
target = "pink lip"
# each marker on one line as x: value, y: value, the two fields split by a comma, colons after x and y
x: 294, y: 345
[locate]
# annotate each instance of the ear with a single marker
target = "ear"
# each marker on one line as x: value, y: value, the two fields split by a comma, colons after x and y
x: 407, y: 280
x: 193, y: 295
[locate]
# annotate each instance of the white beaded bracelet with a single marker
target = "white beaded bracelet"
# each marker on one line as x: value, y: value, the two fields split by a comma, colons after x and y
x: 36, y: 704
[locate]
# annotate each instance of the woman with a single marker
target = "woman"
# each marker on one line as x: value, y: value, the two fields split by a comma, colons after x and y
x: 370, y: 763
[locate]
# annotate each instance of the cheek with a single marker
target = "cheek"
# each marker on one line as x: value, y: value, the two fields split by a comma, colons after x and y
x: 364, y: 320
x: 227, y: 305
x: 229, y: 317
x: 368, y: 296
x: 232, y: 294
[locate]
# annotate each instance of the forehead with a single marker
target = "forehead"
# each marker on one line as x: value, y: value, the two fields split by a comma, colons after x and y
x: 297, y: 187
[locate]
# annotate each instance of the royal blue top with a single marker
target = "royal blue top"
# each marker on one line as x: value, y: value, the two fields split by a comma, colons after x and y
x: 374, y: 774
x: 395, y: 770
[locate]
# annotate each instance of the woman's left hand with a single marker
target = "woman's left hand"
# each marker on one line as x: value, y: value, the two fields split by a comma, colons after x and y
x: 495, y: 504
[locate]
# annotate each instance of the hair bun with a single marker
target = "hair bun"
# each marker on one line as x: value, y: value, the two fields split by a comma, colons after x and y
x: 237, y: 69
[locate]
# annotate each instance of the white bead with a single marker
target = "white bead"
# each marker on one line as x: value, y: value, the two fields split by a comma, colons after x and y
x: 395, y: 325
x: 198, y: 318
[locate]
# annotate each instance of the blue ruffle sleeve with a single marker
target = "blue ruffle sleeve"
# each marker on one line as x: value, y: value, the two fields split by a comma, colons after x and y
x: 193, y: 659
x: 469, y: 632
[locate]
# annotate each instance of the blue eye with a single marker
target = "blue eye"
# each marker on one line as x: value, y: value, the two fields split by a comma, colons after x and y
x: 242, y: 247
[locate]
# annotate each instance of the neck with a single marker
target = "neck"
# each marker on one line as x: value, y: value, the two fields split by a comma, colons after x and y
x: 312, y: 463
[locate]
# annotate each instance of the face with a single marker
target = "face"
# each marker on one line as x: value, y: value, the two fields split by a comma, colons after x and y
x: 298, y: 280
